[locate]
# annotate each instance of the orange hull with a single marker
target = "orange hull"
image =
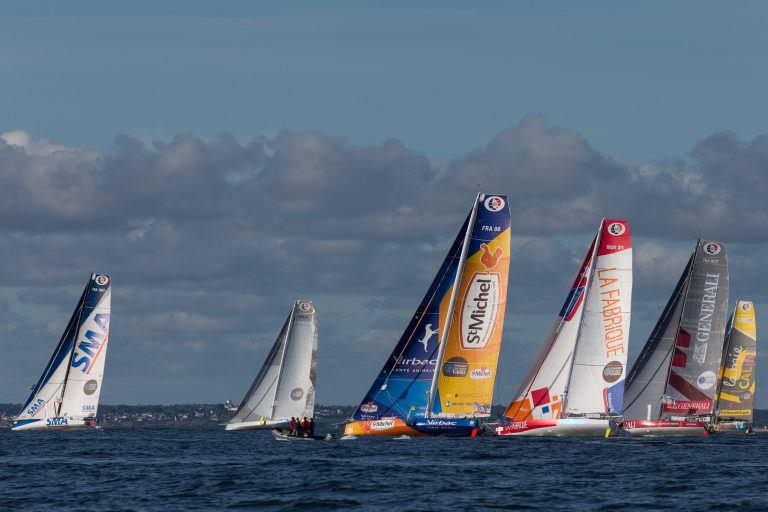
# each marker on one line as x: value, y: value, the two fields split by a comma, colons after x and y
x: 385, y: 427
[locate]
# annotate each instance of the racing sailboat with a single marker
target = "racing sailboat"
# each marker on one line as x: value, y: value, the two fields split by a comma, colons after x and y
x: 672, y: 385
x: 67, y: 394
x: 576, y: 383
x: 439, y: 378
x: 734, y: 402
x: 285, y: 385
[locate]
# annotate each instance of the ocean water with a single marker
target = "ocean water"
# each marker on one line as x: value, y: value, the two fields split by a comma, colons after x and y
x: 209, y: 469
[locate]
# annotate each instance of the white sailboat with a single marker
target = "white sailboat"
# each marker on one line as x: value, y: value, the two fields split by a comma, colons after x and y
x: 67, y: 394
x: 285, y: 385
x: 576, y: 384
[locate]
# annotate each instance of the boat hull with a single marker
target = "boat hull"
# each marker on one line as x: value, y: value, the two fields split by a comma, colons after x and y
x: 563, y: 427
x: 52, y: 424
x: 665, y: 428
x: 281, y: 435
x: 257, y: 425
x: 422, y: 427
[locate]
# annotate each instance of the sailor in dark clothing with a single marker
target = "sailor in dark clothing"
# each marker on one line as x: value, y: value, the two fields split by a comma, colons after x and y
x: 311, y: 427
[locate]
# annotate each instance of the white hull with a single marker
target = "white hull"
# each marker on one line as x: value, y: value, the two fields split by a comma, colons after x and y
x: 53, y: 424
x: 565, y: 427
x: 256, y: 425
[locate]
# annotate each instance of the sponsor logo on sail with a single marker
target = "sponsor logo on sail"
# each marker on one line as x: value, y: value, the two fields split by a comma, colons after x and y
x: 455, y: 367
x: 369, y: 408
x: 712, y: 248
x: 305, y: 306
x: 494, y: 203
x: 613, y: 371
x: 92, y: 343
x: 706, y: 313
x: 90, y: 387
x: 428, y: 333
x: 382, y: 424
x: 297, y: 394
x: 102, y: 280
x: 706, y: 380
x: 481, y: 305
x: 746, y: 306
x: 616, y: 228
x: 480, y: 374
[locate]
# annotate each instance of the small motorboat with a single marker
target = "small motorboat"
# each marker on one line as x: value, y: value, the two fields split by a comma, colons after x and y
x: 282, y: 435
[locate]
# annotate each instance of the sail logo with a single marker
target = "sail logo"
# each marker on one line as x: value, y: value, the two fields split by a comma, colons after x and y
x: 382, y: 424
x: 102, y: 280
x: 35, y: 407
x: 91, y: 345
x: 494, y: 203
x: 456, y: 367
x: 616, y: 228
x: 706, y: 380
x: 297, y: 394
x: 428, y: 333
x: 90, y: 387
x: 746, y: 307
x: 369, y: 408
x: 706, y: 313
x: 712, y: 248
x: 613, y: 371
x: 481, y: 307
x: 305, y: 306
x: 481, y: 373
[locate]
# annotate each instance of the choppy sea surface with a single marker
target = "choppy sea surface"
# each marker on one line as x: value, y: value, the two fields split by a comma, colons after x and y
x: 209, y: 469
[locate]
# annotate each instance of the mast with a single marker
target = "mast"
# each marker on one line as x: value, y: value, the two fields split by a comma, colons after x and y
x: 81, y: 307
x: 282, y: 360
x: 590, y: 272
x: 679, y: 320
x: 723, y: 361
x: 451, y: 306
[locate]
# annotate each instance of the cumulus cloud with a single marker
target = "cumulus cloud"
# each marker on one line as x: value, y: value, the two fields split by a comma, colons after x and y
x: 208, y: 241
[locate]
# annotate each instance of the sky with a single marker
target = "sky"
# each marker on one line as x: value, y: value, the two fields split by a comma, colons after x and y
x: 221, y: 161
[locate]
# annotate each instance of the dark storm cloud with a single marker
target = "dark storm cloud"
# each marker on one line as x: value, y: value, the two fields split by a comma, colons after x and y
x: 209, y: 241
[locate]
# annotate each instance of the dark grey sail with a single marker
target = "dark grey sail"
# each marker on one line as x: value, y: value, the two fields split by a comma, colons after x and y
x: 736, y: 393
x: 676, y: 374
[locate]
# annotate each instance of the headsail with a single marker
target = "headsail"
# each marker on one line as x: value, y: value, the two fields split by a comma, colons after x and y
x: 581, y: 364
x: 285, y: 384
x: 736, y: 393
x: 71, y: 382
x: 402, y: 389
x: 676, y: 373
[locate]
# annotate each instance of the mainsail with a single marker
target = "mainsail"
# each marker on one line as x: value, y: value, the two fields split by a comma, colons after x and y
x: 736, y: 392
x: 457, y: 328
x: 285, y: 385
x: 71, y: 382
x: 580, y: 367
x: 676, y: 372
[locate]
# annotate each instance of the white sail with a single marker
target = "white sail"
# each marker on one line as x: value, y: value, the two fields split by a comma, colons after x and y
x: 581, y: 366
x: 296, y: 390
x: 86, y: 372
x: 285, y: 385
x: 600, y: 362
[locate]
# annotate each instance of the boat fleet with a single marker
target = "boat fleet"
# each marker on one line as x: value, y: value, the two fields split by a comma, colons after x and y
x: 695, y: 374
